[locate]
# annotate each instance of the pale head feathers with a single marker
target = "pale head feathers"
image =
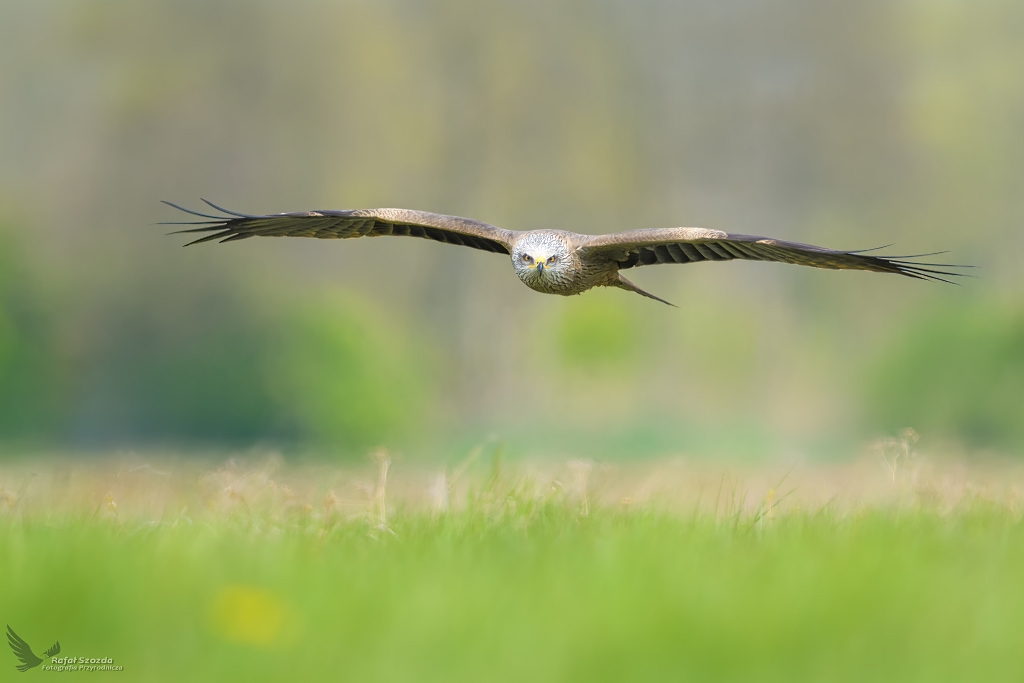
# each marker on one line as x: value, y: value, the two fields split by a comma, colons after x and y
x: 544, y: 258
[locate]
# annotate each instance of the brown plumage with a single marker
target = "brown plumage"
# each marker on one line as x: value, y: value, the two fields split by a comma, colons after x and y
x: 555, y: 261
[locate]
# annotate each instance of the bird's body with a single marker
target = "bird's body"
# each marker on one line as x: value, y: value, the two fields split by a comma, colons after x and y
x: 555, y: 261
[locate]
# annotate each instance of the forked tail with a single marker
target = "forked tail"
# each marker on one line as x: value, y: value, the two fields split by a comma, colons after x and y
x: 623, y: 283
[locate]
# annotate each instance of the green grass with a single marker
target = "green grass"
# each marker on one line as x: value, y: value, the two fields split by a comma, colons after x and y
x: 526, y: 590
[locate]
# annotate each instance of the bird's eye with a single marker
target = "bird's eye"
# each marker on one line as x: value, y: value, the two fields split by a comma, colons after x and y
x: 552, y: 259
x: 527, y: 258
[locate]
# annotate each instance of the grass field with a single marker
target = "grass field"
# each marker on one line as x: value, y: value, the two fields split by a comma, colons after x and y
x: 180, y: 570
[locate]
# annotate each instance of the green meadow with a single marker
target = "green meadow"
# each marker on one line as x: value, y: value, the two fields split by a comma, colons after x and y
x: 511, y: 576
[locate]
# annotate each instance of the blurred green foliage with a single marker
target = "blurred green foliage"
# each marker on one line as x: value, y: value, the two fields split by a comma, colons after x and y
x: 31, y: 365
x: 956, y: 372
x: 601, y: 329
x: 345, y: 375
x: 204, y: 380
x: 720, y: 338
x: 331, y: 370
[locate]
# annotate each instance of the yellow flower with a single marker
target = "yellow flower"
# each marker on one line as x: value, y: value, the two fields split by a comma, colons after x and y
x: 253, y: 616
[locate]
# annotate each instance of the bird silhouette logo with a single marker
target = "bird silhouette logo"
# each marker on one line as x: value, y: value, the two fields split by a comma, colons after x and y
x: 23, y: 652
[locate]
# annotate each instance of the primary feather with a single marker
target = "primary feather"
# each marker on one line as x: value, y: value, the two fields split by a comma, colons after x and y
x: 348, y: 224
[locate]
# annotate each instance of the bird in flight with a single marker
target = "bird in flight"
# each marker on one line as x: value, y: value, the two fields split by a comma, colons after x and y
x: 554, y: 261
x: 24, y: 653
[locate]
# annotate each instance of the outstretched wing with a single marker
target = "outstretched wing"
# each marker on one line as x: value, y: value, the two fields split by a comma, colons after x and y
x: 232, y: 226
x: 689, y: 245
x: 22, y: 651
x: 54, y: 650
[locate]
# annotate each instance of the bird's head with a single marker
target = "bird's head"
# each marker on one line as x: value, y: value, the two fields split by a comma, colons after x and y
x: 541, y: 256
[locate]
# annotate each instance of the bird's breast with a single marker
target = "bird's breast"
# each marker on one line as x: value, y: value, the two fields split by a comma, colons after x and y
x: 565, y: 281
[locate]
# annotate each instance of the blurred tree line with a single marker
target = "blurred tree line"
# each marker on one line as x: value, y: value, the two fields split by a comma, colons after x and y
x: 330, y: 369
x: 848, y: 124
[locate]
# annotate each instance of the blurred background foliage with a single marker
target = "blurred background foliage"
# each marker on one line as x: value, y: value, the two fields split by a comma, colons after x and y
x: 959, y: 372
x: 847, y: 124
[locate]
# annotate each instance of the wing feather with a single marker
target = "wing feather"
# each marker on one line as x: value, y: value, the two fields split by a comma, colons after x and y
x: 233, y: 226
x: 636, y: 248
